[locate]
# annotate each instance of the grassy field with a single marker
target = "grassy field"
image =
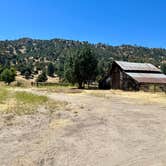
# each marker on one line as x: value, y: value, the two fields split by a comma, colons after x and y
x: 141, y: 97
x: 21, y: 102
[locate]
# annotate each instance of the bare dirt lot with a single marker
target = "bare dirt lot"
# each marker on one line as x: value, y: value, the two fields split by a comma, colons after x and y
x: 93, y: 128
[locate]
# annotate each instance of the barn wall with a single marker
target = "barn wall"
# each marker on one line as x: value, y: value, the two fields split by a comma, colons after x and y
x: 105, y: 83
x: 153, y: 87
x: 129, y: 83
x: 120, y: 80
x: 116, y: 77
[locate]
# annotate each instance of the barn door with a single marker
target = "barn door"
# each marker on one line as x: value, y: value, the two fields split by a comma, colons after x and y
x: 116, y: 79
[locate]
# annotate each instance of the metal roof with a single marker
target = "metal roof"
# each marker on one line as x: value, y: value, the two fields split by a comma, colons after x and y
x: 148, y: 77
x: 131, y: 66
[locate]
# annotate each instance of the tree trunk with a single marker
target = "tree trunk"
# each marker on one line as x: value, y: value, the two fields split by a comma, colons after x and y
x: 80, y: 85
x: 88, y: 84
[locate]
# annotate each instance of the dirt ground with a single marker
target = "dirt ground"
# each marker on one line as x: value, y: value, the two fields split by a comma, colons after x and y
x: 91, y: 130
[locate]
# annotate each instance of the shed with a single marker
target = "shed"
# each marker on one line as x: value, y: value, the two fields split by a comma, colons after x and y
x: 137, y: 76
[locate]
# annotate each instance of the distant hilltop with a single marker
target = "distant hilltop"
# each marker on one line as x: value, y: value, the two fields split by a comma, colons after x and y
x: 53, y: 49
x: 18, y: 51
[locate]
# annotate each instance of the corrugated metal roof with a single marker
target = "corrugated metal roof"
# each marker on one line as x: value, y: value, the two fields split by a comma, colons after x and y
x: 129, y: 66
x: 148, y: 77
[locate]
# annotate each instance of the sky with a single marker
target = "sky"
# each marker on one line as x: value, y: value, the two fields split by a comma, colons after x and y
x: 114, y: 22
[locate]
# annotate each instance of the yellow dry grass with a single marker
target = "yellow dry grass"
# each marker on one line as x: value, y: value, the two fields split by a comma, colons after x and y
x: 21, y: 102
x: 141, y: 97
x: 59, y: 89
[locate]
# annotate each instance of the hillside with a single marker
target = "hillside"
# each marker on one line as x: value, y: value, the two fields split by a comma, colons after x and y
x: 36, y: 54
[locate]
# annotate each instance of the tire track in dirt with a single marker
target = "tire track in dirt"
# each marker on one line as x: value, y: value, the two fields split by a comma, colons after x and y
x: 98, y: 131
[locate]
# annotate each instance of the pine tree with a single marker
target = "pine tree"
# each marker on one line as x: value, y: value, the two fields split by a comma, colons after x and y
x: 50, y: 70
x: 81, y: 67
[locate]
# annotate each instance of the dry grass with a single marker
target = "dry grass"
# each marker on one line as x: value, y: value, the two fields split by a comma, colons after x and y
x: 60, y: 89
x: 145, y: 97
x: 141, y: 97
x: 22, y: 82
x: 21, y: 103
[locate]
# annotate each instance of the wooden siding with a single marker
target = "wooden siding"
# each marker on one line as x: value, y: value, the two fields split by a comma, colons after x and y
x: 125, y: 80
x: 116, y: 78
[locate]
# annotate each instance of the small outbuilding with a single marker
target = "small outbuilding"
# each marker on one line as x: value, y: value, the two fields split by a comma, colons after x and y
x: 137, y: 76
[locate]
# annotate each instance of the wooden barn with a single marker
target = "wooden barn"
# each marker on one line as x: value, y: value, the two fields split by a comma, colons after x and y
x: 137, y: 76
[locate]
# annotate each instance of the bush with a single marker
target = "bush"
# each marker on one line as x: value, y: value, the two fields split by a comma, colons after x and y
x: 27, y: 74
x: 8, y: 75
x: 42, y: 77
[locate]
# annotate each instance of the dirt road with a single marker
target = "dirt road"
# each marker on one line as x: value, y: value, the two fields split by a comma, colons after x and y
x: 88, y: 131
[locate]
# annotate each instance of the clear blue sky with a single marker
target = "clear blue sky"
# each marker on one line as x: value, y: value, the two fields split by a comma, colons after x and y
x: 115, y: 22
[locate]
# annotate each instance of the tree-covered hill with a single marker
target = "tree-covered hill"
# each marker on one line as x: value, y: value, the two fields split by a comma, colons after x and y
x: 32, y: 55
x: 52, y: 49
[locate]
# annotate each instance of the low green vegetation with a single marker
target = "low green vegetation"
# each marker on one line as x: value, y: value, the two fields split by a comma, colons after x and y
x: 30, y: 98
x: 21, y: 102
x: 27, y: 103
x: 3, y: 94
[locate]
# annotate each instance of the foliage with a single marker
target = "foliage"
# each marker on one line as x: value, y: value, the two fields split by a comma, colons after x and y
x: 50, y: 70
x: 69, y: 67
x: 104, y: 67
x: 25, y: 70
x: 27, y: 74
x: 60, y: 63
x: 30, y: 56
x: 25, y: 102
x: 42, y: 77
x: 163, y: 68
x: 81, y: 66
x: 8, y: 75
x: 30, y: 98
x: 3, y: 94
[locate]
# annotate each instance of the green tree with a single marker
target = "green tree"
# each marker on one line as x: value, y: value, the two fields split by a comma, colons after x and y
x: 163, y: 68
x: 8, y: 75
x: 81, y: 67
x: 27, y: 74
x: 26, y: 70
x: 104, y: 67
x: 60, y: 63
x: 42, y: 77
x: 50, y: 70
x: 1, y: 70
x: 69, y: 67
